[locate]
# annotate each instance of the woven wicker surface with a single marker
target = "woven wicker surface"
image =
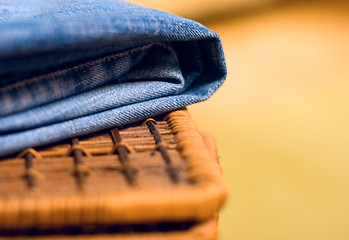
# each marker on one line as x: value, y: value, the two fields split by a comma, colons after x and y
x: 157, y: 172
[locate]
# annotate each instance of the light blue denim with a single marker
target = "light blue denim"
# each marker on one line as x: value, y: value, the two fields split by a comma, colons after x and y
x: 69, y: 68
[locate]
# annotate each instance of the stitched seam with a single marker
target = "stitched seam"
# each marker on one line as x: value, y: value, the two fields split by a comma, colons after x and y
x: 80, y: 67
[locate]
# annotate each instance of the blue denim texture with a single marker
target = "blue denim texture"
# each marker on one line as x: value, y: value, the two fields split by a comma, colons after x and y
x: 69, y: 68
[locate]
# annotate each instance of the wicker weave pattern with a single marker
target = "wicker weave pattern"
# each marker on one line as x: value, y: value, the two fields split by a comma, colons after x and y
x: 85, y: 181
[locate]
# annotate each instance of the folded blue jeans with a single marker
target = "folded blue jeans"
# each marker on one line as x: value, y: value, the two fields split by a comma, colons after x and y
x: 69, y: 68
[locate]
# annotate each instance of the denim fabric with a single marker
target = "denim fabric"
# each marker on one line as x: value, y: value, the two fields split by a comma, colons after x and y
x: 69, y: 68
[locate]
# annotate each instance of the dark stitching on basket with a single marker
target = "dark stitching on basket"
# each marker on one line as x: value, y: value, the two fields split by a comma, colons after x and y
x: 81, y: 67
x: 81, y: 171
x: 162, y: 148
x: 120, y: 148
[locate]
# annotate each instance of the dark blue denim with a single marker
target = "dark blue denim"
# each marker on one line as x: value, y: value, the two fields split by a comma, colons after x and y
x: 69, y: 68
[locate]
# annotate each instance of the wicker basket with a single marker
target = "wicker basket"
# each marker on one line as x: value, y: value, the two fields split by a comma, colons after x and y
x: 156, y: 180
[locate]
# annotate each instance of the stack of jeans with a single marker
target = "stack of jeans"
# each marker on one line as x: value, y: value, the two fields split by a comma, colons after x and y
x: 69, y: 68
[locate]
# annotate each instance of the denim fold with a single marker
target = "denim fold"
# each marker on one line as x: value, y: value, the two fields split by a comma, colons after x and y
x: 76, y: 67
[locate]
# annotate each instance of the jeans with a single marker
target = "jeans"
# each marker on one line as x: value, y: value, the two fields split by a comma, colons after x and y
x: 69, y: 68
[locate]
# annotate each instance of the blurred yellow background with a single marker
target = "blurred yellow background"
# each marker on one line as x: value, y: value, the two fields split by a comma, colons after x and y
x: 281, y: 120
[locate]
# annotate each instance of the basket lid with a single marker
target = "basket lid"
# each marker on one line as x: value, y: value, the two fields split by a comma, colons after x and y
x: 158, y: 171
